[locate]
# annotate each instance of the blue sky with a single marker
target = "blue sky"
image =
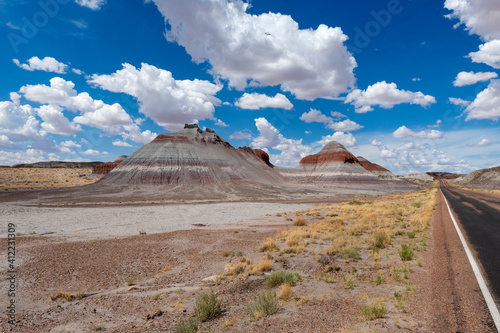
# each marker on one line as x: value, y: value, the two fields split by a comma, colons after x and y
x: 411, y: 85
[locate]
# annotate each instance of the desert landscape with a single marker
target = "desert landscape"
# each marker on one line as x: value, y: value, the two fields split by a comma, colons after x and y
x: 190, y: 234
x: 199, y: 166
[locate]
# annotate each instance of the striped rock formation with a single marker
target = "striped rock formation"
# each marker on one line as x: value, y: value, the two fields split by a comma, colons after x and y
x: 376, y: 169
x: 332, y: 164
x: 105, y: 168
x: 192, y: 157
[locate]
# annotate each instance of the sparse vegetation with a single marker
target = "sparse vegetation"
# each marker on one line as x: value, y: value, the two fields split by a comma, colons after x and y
x: 406, y: 253
x: 207, y: 306
x: 299, y: 222
x: 371, y: 312
x: 350, y: 253
x: 283, y: 276
x: 285, y: 292
x: 264, y: 265
x: 96, y: 327
x: 187, y: 326
x: 268, y: 245
x: 62, y: 294
x: 265, y: 305
x: 381, y: 239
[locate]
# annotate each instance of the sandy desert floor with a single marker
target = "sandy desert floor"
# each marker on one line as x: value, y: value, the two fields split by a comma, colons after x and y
x: 139, y: 267
x: 30, y: 178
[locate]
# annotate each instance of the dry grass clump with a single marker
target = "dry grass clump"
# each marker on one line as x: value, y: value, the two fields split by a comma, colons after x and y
x: 381, y: 239
x: 242, y: 266
x: 67, y: 296
x: 299, y: 222
x: 265, y: 265
x: 285, y: 292
x: 268, y: 245
x: 96, y: 327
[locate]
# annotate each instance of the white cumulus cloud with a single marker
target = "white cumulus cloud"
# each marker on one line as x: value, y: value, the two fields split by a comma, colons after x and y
x: 113, y: 119
x: 267, y: 49
x: 92, y: 4
x: 47, y: 64
x: 70, y: 143
x: 292, y: 151
x: 119, y: 143
x: 482, y: 143
x: 92, y: 152
x: 385, y: 95
x: 404, y: 132
x: 346, y: 139
x: 487, y: 103
x: 255, y: 101
x: 55, y: 122
x: 459, y: 101
x: 489, y: 54
x: 170, y: 103
x: 240, y: 135
x: 480, y: 17
x: 315, y: 116
x: 345, y: 126
x: 468, y: 78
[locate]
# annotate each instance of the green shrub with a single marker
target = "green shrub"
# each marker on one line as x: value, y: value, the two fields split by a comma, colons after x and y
x: 207, y: 306
x: 350, y: 253
x: 406, y: 253
x: 265, y: 305
x: 280, y: 277
x: 411, y: 234
x: 187, y: 326
x: 371, y: 312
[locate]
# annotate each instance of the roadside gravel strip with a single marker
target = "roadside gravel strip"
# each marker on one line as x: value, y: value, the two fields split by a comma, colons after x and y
x: 484, y: 289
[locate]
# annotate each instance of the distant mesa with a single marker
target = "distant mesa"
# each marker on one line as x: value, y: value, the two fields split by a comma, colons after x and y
x: 58, y: 164
x: 192, y: 156
x: 105, y: 168
x: 443, y: 175
x: 333, y: 163
x: 418, y: 178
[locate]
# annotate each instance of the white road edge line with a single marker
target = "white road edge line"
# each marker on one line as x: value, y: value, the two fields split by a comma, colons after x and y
x: 484, y: 289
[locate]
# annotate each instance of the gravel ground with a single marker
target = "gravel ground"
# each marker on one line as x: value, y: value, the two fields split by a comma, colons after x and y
x: 109, y: 222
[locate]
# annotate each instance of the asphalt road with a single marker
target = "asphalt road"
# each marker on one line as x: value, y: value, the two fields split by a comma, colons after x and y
x: 478, y: 214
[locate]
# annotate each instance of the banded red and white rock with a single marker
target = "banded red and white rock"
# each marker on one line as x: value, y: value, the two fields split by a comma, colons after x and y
x: 107, y: 167
x: 192, y: 157
x: 332, y: 164
x: 376, y: 169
